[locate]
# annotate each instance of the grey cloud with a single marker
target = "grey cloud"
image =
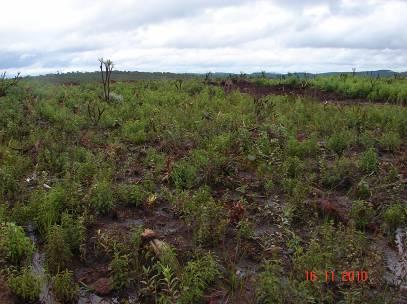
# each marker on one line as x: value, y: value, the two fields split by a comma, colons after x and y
x: 14, y: 60
x: 139, y: 14
x: 228, y: 35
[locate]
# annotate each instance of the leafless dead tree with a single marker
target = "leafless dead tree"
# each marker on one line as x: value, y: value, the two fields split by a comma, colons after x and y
x: 106, y: 68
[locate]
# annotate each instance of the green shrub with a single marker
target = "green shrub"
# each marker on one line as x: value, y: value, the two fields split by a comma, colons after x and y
x: 293, y: 167
x: 269, y: 289
x: 120, y: 271
x: 206, y: 215
x: 194, y: 88
x: 197, y: 276
x: 64, y: 287
x: 245, y: 230
x: 58, y: 253
x: 134, y: 131
x: 2, y: 213
x: 85, y: 171
x: 8, y: 182
x: 25, y: 285
x: 269, y: 186
x: 390, y: 141
x: 102, y: 197
x: 331, y: 246
x: 135, y: 246
x: 53, y: 159
x: 339, y: 142
x: 132, y: 194
x: 275, y: 288
x: 155, y: 159
x: 367, y: 139
x: 74, y: 231
x: 395, y: 216
x: 21, y: 214
x: 168, y: 257
x: 362, y: 213
x: 368, y: 161
x: 15, y: 246
x: 363, y: 190
x: 306, y: 148
x: 169, y: 285
x: 48, y: 206
x: 184, y: 175
x: 209, y: 223
x: 341, y: 174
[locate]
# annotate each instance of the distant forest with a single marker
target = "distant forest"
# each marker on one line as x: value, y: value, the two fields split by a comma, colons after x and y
x: 81, y: 77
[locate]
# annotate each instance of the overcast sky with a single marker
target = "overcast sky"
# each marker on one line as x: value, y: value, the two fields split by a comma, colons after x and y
x: 44, y: 36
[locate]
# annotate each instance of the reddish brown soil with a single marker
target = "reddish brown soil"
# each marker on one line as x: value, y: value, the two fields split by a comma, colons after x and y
x: 5, y: 293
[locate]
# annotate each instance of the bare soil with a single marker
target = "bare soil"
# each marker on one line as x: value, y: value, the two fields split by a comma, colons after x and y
x: 5, y: 293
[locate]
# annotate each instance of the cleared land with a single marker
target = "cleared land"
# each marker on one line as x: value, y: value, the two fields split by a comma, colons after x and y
x: 209, y: 191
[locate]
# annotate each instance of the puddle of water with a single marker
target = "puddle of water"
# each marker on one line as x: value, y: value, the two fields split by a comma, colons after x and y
x: 396, y: 262
x: 132, y: 222
x: 46, y: 295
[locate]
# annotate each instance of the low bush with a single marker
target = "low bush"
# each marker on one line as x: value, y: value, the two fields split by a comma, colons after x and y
x: 245, y: 230
x: 135, y: 247
x: 362, y: 213
x: 363, y: 190
x: 102, y: 197
x: 58, y: 253
x: 390, y: 141
x: 340, y: 174
x: 395, y: 216
x: 169, y: 285
x: 339, y: 142
x: 74, y: 231
x: 197, y: 276
x: 8, y: 182
x: 184, y: 175
x: 135, y: 131
x: 293, y: 167
x: 48, y: 207
x: 120, y: 271
x: 302, y: 149
x: 155, y: 159
x: 15, y: 246
x: 134, y: 195
x: 207, y: 217
x: 25, y: 285
x: 2, y: 213
x: 274, y: 288
x: 64, y: 287
x: 331, y: 247
x: 368, y: 161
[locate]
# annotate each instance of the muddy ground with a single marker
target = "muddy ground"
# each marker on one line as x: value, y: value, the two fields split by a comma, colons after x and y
x: 307, y: 91
x: 265, y: 213
x: 93, y: 270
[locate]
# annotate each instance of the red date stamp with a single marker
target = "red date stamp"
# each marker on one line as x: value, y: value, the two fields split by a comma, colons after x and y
x: 350, y: 276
